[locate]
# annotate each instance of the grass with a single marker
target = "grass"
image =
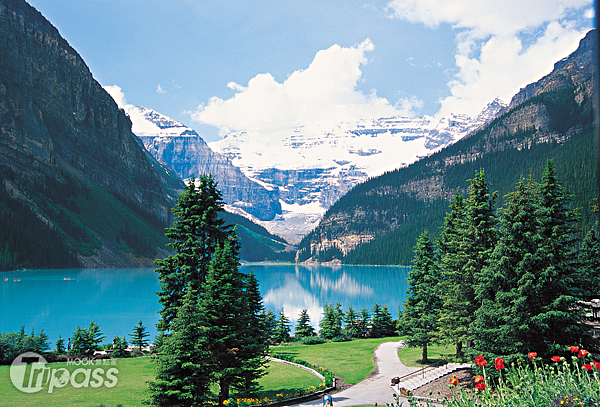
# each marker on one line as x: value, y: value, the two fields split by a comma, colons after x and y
x: 131, y: 388
x: 435, y: 353
x: 129, y: 391
x: 351, y: 360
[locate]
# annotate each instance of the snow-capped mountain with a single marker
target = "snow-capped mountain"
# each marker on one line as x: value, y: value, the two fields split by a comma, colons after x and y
x: 311, y: 168
x: 180, y: 147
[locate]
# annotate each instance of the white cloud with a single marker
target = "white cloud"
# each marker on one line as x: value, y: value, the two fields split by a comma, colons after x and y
x: 160, y: 90
x: 323, y: 94
x: 491, y: 58
x: 117, y: 94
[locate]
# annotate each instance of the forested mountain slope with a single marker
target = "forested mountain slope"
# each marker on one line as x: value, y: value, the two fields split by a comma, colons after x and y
x: 379, y: 220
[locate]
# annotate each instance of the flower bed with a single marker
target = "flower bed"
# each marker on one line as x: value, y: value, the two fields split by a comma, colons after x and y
x: 564, y: 381
x: 298, y: 396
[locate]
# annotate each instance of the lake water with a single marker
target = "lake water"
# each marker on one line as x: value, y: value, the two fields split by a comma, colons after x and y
x: 117, y: 299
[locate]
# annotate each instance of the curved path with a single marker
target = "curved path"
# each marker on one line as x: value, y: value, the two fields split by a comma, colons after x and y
x: 376, y: 387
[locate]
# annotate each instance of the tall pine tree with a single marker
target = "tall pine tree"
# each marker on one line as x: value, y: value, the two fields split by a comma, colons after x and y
x: 502, y: 323
x: 531, y: 288
x: 196, y: 232
x: 183, y: 364
x: 230, y: 315
x: 473, y: 237
x: 423, y: 302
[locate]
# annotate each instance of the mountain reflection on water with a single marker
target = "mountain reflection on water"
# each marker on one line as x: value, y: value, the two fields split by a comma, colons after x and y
x: 296, y: 287
x: 58, y: 301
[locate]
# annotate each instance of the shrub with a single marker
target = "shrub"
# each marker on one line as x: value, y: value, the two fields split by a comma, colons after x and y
x: 312, y: 340
x: 341, y: 338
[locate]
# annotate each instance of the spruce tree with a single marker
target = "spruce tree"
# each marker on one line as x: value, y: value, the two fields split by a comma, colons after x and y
x: 589, y: 265
x: 388, y: 325
x: 452, y: 261
x: 282, y: 328
x: 531, y: 287
x: 364, y: 323
x: 423, y: 302
x: 466, y: 248
x: 258, y: 337
x: 231, y: 324
x: 502, y: 322
x: 139, y: 336
x: 196, y: 232
x: 303, y: 327
x: 351, y: 323
x: 183, y: 365
x: 554, y: 309
x: 269, y: 321
x: 331, y: 323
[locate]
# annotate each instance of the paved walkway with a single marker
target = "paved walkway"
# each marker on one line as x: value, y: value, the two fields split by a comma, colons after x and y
x: 376, y: 387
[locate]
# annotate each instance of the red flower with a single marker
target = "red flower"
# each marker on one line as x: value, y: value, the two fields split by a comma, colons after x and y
x: 479, y: 379
x: 574, y: 349
x: 480, y: 386
x: 499, y: 363
x: 454, y: 381
x: 582, y: 354
x: 556, y: 359
x: 532, y: 355
x: 588, y: 366
x: 480, y: 361
x: 596, y: 364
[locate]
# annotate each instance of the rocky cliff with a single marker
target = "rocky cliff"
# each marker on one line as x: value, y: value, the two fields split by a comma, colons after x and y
x: 59, y: 127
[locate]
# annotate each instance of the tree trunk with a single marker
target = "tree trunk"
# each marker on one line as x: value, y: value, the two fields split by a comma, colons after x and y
x: 459, y: 348
x: 424, y: 358
x: 223, y: 392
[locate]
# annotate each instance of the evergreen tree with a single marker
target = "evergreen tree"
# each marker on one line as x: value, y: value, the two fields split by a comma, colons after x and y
x: 119, y: 347
x: 388, y: 325
x: 195, y: 234
x: 554, y: 309
x: 589, y: 265
x: 531, y: 287
x: 331, y: 324
x: 473, y: 234
x: 382, y: 323
x: 183, y: 363
x: 423, y: 302
x: 282, y: 329
x: 257, y: 338
x: 139, y: 335
x: 269, y: 320
x: 60, y: 345
x: 85, y: 341
x: 509, y: 278
x: 364, y: 323
x: 452, y: 261
x: 351, y: 323
x: 232, y: 323
x: 303, y: 327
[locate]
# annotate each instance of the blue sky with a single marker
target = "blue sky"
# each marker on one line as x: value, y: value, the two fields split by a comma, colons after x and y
x: 229, y: 65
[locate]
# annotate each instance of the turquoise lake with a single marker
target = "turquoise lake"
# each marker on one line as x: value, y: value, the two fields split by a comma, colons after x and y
x: 117, y: 299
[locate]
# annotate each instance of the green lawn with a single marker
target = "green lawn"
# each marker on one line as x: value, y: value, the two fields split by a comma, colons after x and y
x: 351, y: 360
x: 412, y: 356
x: 129, y: 391
x: 131, y: 387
